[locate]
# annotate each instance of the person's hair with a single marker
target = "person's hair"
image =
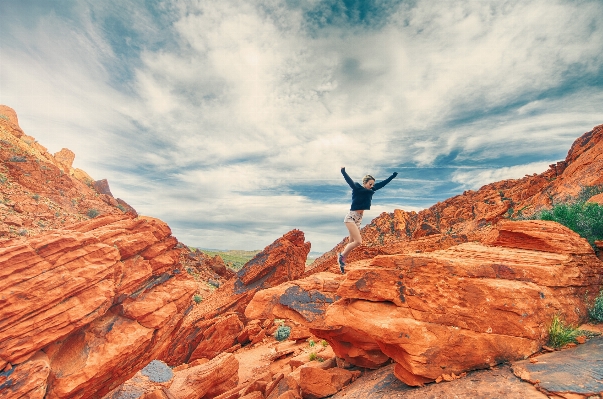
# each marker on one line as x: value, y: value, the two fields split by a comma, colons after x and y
x: 367, y: 178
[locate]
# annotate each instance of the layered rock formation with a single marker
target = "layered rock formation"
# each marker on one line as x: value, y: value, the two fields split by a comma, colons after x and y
x: 88, y: 306
x: 468, y: 216
x: 40, y: 191
x: 216, y: 324
x: 471, y: 306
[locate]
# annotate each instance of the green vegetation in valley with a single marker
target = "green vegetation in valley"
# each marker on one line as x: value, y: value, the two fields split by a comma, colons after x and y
x: 234, y: 259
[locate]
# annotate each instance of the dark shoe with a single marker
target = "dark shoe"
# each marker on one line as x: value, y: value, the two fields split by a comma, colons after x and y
x: 341, y: 263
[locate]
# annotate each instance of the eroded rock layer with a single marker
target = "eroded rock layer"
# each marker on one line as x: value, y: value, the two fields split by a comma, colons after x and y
x: 470, y: 306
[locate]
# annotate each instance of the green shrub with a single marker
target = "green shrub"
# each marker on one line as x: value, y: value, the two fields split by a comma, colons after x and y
x: 282, y: 333
x: 596, y: 310
x: 314, y: 356
x: 585, y: 218
x: 92, y: 213
x: 3, y: 178
x: 561, y: 335
x: 198, y: 298
x: 324, y: 343
x: 311, y: 343
x: 121, y: 207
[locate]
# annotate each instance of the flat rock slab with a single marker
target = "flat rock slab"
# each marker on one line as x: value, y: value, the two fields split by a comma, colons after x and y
x: 577, y: 370
x: 484, y: 384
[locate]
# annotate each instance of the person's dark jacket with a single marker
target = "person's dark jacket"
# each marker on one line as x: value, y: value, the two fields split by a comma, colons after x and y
x: 361, y: 197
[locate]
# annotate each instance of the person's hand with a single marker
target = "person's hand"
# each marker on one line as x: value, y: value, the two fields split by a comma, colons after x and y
x: 343, y: 167
x: 395, y: 174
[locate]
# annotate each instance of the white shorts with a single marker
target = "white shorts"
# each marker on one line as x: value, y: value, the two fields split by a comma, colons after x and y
x: 353, y: 217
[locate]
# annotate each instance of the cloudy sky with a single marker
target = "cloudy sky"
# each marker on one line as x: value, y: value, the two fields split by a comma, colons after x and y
x: 230, y: 119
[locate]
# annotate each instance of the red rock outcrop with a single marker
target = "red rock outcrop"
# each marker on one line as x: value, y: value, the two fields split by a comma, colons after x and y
x: 100, y: 299
x: 195, y: 381
x: 468, y: 216
x: 43, y: 190
x: 279, y: 262
x: 470, y: 306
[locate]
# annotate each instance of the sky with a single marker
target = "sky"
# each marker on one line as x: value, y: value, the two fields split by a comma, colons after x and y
x: 230, y: 119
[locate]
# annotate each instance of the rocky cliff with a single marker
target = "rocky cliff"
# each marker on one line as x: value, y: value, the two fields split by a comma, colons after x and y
x: 467, y: 217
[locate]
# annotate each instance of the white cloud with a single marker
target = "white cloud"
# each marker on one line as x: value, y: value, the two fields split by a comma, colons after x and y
x: 475, y: 179
x: 213, y: 114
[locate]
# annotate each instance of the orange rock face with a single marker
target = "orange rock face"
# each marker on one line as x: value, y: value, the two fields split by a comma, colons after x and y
x: 201, y: 330
x: 449, y: 311
x: 91, y: 300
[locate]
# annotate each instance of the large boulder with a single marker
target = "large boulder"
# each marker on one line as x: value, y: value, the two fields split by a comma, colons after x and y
x: 471, y: 306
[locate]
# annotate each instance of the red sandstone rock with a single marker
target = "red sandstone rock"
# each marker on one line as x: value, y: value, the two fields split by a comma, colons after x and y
x: 317, y: 383
x: 28, y: 380
x: 65, y: 159
x: 467, y: 307
x: 57, y: 293
x: 8, y: 116
x: 218, y: 336
x: 277, y: 263
x: 102, y: 187
x: 207, y: 380
x: 45, y: 296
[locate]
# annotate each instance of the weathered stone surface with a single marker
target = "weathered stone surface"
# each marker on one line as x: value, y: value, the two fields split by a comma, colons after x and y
x: 467, y: 307
x: 27, y: 380
x: 89, y: 299
x: 65, y: 159
x: 317, y: 383
x: 197, y: 382
x: 577, y: 370
x: 45, y: 295
x: 102, y: 187
x: 206, y: 380
x: 218, y: 336
x: 277, y: 263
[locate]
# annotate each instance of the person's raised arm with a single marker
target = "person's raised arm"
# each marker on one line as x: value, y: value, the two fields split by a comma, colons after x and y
x: 347, y: 178
x: 381, y: 184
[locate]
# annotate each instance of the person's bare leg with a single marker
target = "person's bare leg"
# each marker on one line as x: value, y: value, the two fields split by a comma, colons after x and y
x: 355, y: 238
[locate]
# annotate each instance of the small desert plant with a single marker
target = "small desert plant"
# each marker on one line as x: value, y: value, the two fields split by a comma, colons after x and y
x: 197, y: 298
x: 596, y: 310
x: 121, y: 207
x: 3, y: 178
x: 36, y: 197
x: 314, y: 356
x: 23, y: 232
x: 561, y: 334
x: 92, y: 213
x: 17, y: 158
x: 282, y: 333
x: 324, y: 343
x: 311, y: 343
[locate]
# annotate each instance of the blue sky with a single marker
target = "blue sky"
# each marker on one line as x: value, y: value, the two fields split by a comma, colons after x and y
x: 230, y: 120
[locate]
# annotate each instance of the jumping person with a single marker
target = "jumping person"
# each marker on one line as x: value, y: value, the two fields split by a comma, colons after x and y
x: 361, y: 201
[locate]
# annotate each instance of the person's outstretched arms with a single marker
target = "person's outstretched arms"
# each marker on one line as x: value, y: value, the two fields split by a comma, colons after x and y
x: 381, y: 184
x: 347, y: 178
